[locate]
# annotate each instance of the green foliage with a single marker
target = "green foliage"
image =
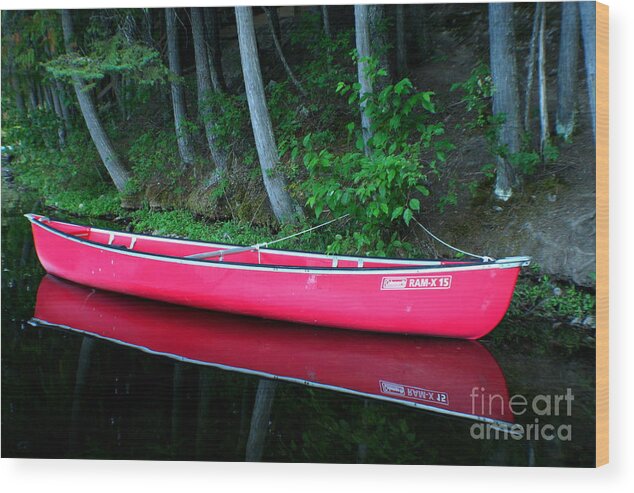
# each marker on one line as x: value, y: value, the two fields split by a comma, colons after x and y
x: 381, y: 191
x: 184, y: 223
x: 477, y: 92
x: 154, y: 155
x: 86, y: 203
x: 111, y: 55
x: 550, y: 299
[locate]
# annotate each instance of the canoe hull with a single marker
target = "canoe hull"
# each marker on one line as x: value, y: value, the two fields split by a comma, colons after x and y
x: 466, y: 302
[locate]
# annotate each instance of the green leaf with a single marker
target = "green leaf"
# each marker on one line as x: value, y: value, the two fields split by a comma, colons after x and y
x: 414, y: 204
x: 407, y: 216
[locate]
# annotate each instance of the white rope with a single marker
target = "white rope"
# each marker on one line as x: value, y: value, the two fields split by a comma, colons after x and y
x: 257, y: 246
x: 484, y: 258
x: 301, y: 232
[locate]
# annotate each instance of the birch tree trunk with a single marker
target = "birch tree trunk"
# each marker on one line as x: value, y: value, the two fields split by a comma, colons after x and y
x: 530, y: 69
x: 587, y: 13
x: 32, y: 95
x: 204, y: 89
x: 17, y: 96
x: 567, y: 70
x: 260, y: 419
x: 280, y: 52
x: 116, y: 170
x: 401, y: 48
x: 212, y: 28
x: 185, y: 148
x: 61, y: 128
x: 362, y: 36
x: 505, y: 95
x: 274, y: 182
x: 379, y: 43
x: 325, y: 19
x: 544, y: 133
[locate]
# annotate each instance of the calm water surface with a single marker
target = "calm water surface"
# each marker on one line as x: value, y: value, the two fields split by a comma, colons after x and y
x: 88, y: 374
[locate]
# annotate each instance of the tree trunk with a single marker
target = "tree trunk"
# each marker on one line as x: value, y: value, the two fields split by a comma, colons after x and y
x: 260, y: 418
x: 401, y: 48
x: 61, y: 128
x: 17, y: 96
x: 362, y: 36
x: 275, y: 21
x: 378, y: 43
x: 204, y: 89
x: 185, y: 148
x: 588, y: 14
x: 532, y: 52
x: 32, y: 95
x: 422, y: 30
x: 280, y: 52
x: 326, y: 21
x: 505, y: 95
x: 212, y: 27
x: 118, y: 173
x: 61, y: 94
x: 544, y: 130
x: 274, y: 182
x: 567, y: 71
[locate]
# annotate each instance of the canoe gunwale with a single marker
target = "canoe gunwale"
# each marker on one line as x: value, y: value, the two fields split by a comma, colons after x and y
x: 408, y: 269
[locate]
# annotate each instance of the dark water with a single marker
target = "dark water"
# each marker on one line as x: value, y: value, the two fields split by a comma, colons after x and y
x: 66, y: 394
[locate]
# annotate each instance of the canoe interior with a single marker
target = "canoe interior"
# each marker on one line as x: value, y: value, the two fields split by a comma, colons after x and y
x: 183, y: 248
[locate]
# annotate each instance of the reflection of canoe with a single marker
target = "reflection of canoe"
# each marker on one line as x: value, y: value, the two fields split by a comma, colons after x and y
x: 464, y: 299
x: 433, y: 374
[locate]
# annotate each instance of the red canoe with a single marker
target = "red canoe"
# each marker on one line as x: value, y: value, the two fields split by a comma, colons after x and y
x: 464, y: 299
x: 459, y: 378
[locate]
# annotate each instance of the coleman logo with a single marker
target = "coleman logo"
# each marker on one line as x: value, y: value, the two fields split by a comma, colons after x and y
x: 415, y: 393
x: 392, y: 388
x: 417, y: 282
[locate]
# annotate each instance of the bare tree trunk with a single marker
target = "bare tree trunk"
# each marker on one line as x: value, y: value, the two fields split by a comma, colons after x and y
x: 61, y: 94
x: 17, y: 96
x: 422, y: 30
x: 505, y: 96
x: 42, y: 96
x: 379, y: 42
x: 544, y: 134
x: 530, y: 70
x: 280, y: 53
x: 362, y: 36
x: 204, y: 89
x: 61, y: 129
x: 588, y: 14
x: 274, y: 182
x: 260, y: 419
x: 275, y: 21
x: 32, y: 95
x: 148, y: 39
x: 118, y: 173
x: 49, y: 97
x: 212, y: 27
x: 326, y: 21
x: 567, y: 71
x: 185, y: 148
x: 401, y: 48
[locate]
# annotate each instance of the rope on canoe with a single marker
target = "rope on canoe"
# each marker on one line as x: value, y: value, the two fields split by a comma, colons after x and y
x: 257, y: 246
x: 305, y: 231
x: 484, y: 258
